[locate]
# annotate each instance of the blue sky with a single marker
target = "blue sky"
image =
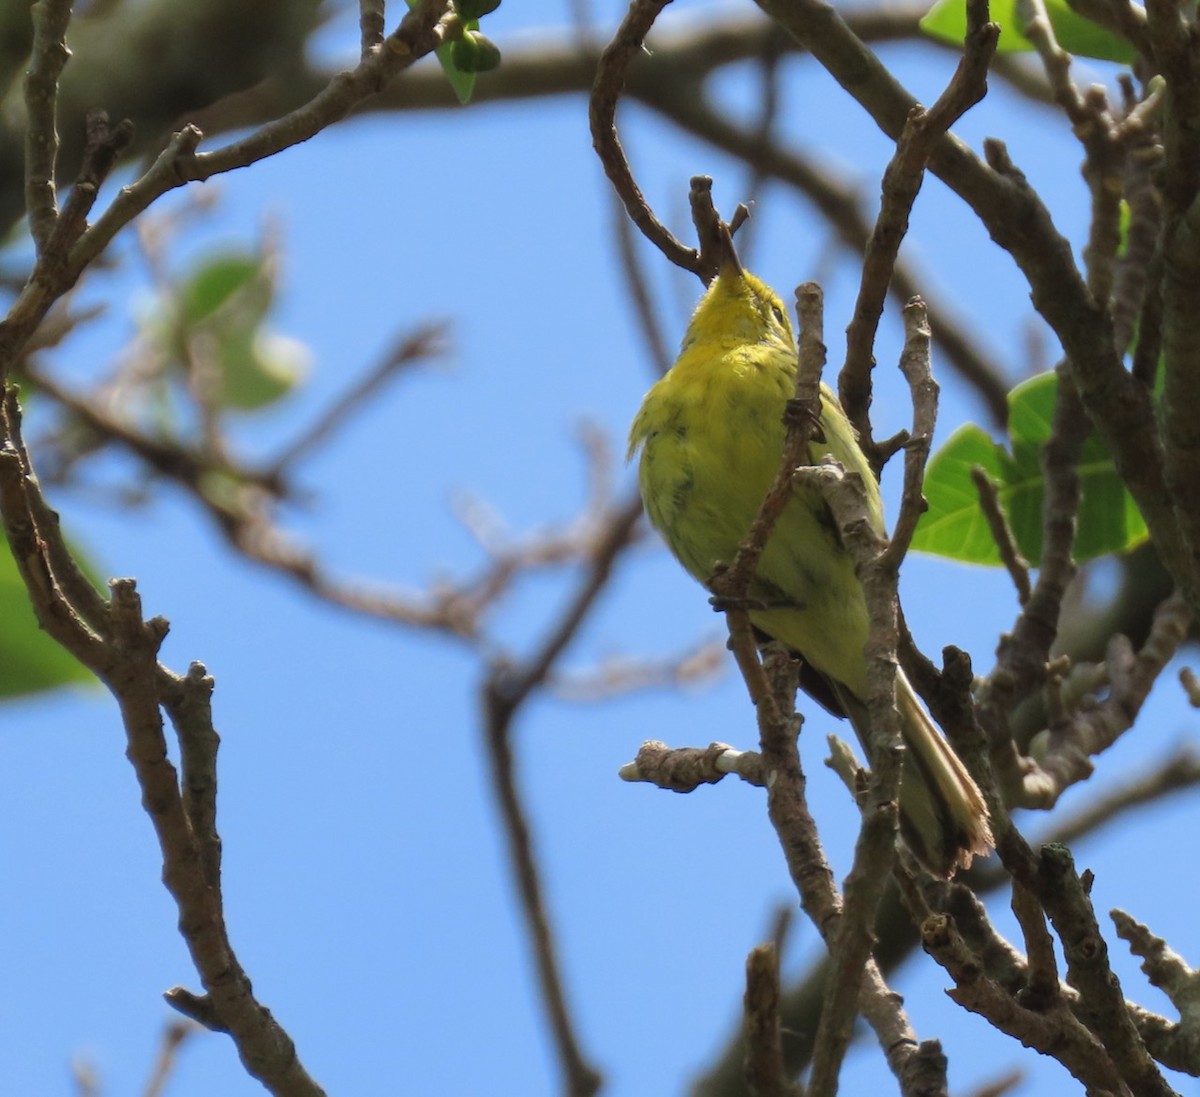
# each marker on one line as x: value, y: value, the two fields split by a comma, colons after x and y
x: 364, y: 868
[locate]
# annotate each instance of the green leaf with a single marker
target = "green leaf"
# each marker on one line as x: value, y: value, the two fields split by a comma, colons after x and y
x: 947, y: 22
x: 214, y: 282
x: 30, y: 662
x: 955, y: 526
x: 462, y: 83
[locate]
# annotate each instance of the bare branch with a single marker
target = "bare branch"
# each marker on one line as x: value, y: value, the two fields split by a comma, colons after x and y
x: 914, y: 1064
x: 764, y: 1051
x: 1041, y: 991
x: 1055, y: 1032
x: 371, y: 25
x: 174, y: 1035
x: 47, y: 60
x: 687, y: 768
x: 1164, y: 967
x: 918, y: 372
x: 1024, y: 653
x: 1097, y: 725
x: 616, y: 675
x: 896, y: 935
x: 418, y: 34
x: 580, y: 1078
x: 1101, y: 1005
x: 122, y: 652
x: 639, y: 291
x: 602, y: 112
x: 1018, y: 220
x: 505, y: 690
x: 902, y: 181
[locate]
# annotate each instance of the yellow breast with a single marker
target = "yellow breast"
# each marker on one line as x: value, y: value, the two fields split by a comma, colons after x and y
x: 711, y: 437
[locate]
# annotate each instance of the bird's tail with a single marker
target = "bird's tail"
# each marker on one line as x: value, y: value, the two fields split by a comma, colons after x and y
x: 943, y: 817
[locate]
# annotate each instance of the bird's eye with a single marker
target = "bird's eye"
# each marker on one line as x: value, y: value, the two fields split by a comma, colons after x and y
x: 778, y: 311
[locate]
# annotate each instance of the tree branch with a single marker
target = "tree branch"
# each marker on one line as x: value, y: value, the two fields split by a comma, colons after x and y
x: 123, y: 654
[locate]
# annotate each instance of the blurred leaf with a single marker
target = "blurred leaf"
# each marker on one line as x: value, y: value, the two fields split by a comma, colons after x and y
x: 217, y: 318
x: 954, y: 524
x: 224, y: 490
x: 232, y: 289
x: 947, y: 22
x: 214, y: 282
x: 30, y: 662
x: 258, y: 368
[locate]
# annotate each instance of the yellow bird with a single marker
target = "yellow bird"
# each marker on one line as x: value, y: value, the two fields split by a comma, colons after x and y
x: 711, y: 438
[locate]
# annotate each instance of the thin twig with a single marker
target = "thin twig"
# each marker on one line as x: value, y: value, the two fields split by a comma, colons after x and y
x: 1041, y: 991
x: 770, y: 101
x: 504, y: 692
x: 1074, y: 741
x: 602, y: 113
x: 53, y: 274
x: 911, y: 1062
x: 616, y: 676
x: 1002, y: 534
x: 1101, y: 1005
x: 580, y: 1078
x: 1024, y: 652
x: 902, y: 181
x: 46, y: 62
x: 638, y: 290
x: 1138, y: 285
x: 174, y: 1035
x: 876, y: 845
x: 916, y: 365
x: 419, y: 32
x: 1176, y: 1045
x: 188, y: 701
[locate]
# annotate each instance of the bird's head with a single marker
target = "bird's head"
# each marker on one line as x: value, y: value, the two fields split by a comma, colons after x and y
x: 739, y: 309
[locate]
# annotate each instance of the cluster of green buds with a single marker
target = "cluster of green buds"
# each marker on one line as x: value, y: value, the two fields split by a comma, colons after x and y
x: 473, y: 51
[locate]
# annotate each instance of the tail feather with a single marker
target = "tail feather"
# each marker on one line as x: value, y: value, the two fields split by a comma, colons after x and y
x: 943, y: 817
